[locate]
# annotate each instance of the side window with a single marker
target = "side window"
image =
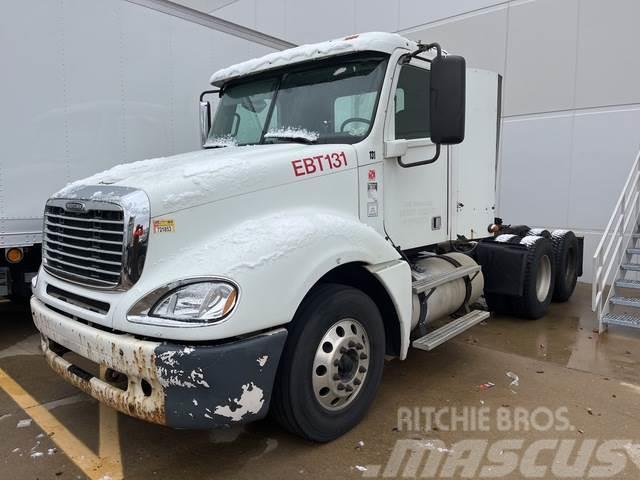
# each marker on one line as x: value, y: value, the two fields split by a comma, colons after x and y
x: 412, y: 103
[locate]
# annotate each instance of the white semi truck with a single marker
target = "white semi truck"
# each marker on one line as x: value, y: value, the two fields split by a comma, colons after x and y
x: 334, y: 216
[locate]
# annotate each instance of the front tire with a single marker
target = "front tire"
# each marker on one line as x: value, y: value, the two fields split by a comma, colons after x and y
x: 332, y: 364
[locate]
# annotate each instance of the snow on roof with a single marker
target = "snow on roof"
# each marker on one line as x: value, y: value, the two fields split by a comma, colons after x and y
x: 371, y: 41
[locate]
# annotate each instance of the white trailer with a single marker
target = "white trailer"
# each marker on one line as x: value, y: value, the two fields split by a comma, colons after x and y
x: 87, y: 85
x: 341, y: 210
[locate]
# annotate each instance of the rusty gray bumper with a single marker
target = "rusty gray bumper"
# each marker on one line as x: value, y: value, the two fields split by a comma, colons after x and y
x: 181, y: 386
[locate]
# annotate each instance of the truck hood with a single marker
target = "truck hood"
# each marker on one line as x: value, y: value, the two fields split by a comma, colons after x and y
x: 187, y: 180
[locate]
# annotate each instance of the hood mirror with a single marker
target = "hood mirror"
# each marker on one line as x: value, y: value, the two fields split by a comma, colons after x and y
x: 205, y: 116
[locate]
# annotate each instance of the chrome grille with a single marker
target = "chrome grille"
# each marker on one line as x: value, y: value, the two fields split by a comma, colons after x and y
x: 85, y: 246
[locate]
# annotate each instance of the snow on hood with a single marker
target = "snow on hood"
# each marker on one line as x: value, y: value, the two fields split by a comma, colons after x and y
x: 190, y: 179
x: 371, y: 41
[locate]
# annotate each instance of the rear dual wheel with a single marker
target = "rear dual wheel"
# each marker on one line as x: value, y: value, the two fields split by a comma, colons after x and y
x: 538, y: 283
x: 539, y: 279
x: 332, y: 364
x: 565, y: 250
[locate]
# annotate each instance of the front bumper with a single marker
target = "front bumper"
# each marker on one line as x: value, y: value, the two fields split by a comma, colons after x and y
x: 181, y: 386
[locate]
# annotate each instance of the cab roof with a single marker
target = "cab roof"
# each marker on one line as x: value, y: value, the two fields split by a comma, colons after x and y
x: 371, y: 41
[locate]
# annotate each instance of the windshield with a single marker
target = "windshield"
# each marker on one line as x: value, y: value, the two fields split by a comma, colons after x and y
x: 329, y: 103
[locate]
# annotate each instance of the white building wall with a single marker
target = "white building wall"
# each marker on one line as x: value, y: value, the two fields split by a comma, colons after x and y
x: 571, y: 111
x: 88, y: 84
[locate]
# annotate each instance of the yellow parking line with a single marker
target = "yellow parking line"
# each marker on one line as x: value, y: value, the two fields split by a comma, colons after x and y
x: 94, y: 466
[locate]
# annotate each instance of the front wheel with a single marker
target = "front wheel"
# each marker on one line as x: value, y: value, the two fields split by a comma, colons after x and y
x: 332, y: 364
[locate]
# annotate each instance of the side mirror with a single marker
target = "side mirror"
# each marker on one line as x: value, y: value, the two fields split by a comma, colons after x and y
x: 205, y: 116
x: 447, y: 99
x: 205, y: 121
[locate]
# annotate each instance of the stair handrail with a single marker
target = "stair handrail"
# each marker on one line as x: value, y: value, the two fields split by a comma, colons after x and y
x: 613, y: 245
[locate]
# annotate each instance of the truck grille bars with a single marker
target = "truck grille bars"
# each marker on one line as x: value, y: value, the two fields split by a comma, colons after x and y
x: 85, y: 247
x: 96, y: 243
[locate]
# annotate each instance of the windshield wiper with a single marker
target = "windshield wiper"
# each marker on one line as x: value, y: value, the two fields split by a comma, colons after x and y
x: 298, y: 135
x: 295, y: 139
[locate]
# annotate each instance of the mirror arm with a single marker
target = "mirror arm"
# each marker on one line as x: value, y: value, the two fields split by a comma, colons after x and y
x: 423, y: 162
x: 425, y: 48
x: 207, y: 92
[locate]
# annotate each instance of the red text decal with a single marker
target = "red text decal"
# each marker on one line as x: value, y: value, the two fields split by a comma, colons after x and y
x: 319, y: 163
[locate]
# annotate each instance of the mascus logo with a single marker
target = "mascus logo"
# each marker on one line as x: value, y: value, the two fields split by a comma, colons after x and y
x: 75, y: 206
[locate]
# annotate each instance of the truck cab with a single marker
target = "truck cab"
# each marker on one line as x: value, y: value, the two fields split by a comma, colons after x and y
x: 342, y: 205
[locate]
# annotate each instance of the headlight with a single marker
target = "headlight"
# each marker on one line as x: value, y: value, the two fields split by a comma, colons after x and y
x: 187, y: 303
x: 197, y: 301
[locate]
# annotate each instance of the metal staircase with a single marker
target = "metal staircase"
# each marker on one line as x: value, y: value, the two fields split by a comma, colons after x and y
x: 616, y: 261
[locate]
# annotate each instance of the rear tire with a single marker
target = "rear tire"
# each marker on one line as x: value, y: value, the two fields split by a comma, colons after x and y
x: 565, y: 251
x: 539, y: 279
x: 328, y: 337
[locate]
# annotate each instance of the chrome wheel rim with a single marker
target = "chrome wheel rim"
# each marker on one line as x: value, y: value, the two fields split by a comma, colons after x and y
x: 543, y: 280
x: 341, y: 364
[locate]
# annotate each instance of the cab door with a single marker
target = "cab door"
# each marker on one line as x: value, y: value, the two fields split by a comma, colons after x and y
x: 415, y: 184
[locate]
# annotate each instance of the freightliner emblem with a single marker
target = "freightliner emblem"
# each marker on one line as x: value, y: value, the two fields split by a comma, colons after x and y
x: 75, y: 206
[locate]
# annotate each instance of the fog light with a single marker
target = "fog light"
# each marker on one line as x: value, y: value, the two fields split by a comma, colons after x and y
x: 14, y: 255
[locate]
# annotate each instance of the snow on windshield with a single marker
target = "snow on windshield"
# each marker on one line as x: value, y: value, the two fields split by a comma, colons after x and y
x: 292, y: 132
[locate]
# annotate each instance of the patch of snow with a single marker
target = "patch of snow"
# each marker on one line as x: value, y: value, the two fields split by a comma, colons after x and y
x: 515, y: 379
x: 505, y: 237
x: 371, y: 41
x: 188, y: 350
x: 226, y: 141
x: 36, y: 454
x: 195, y: 402
x: 360, y: 468
x: 258, y: 242
x: 293, y: 132
x: 530, y: 240
x: 262, y: 361
x: 52, y: 451
x: 15, y: 450
x: 536, y: 231
x: 24, y: 423
x: 250, y: 401
x: 559, y: 233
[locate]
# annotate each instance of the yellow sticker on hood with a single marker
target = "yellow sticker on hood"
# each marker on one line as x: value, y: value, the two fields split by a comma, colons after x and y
x: 164, y: 226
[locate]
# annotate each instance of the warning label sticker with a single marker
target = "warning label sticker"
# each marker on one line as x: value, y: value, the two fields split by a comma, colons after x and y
x: 164, y: 226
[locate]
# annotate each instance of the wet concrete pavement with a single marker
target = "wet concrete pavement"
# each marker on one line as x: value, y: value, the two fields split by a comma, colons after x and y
x: 559, y: 362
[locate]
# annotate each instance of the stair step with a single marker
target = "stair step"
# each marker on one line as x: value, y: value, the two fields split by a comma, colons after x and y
x: 631, y: 266
x: 633, y: 251
x: 626, y: 301
x: 450, y: 330
x: 432, y: 281
x: 628, y: 283
x: 622, y: 319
